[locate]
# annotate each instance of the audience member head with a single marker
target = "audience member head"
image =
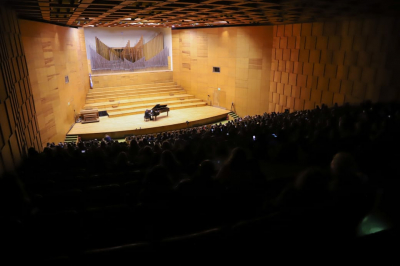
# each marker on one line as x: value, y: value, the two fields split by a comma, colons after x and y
x: 342, y: 165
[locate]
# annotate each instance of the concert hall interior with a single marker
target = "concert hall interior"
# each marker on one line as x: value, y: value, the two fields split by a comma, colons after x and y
x: 151, y: 126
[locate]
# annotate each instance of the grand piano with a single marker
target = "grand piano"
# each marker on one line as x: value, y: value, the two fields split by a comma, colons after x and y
x: 156, y: 111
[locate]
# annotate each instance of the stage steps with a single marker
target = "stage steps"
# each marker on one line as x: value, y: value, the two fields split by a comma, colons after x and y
x: 131, y: 92
x: 102, y: 106
x: 141, y: 110
x: 71, y: 139
x: 152, y: 104
x: 113, y: 88
x: 118, y: 97
x: 233, y: 115
x: 95, y: 92
x: 135, y: 99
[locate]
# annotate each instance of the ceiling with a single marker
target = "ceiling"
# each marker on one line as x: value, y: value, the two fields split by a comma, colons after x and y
x: 196, y: 13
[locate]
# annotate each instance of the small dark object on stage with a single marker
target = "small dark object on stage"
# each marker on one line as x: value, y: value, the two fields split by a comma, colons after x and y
x: 103, y: 113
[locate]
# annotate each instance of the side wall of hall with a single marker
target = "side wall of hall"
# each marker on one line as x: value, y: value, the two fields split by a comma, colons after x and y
x: 18, y: 123
x: 334, y: 62
x: 54, y: 52
x: 244, y: 57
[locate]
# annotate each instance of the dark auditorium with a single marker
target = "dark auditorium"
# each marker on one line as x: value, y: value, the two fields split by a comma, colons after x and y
x: 219, y: 129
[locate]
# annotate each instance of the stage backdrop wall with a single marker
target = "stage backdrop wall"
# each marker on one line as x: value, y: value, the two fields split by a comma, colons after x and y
x: 244, y: 57
x: 54, y: 52
x: 334, y: 62
x: 18, y: 124
x: 118, y: 37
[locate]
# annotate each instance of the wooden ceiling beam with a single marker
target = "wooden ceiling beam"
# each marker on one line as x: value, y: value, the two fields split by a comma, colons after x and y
x: 45, y: 9
x: 78, y: 11
x: 237, y: 12
x: 111, y: 12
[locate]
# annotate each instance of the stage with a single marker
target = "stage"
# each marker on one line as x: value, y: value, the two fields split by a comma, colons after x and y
x: 119, y: 127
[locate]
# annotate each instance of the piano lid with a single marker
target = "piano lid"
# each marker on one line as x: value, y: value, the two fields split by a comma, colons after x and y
x: 158, y: 106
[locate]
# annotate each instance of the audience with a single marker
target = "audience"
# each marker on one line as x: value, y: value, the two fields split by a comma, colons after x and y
x: 316, y: 168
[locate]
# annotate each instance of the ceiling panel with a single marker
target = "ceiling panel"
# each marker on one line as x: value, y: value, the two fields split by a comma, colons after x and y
x: 196, y: 13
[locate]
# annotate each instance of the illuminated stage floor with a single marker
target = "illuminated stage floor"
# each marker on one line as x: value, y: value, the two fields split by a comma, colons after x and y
x: 119, y: 127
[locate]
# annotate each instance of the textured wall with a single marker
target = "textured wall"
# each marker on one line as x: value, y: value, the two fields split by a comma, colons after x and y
x: 242, y: 53
x: 53, y: 52
x: 335, y: 62
x: 18, y: 125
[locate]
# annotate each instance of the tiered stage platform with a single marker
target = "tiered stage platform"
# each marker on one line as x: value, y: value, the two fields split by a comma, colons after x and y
x: 119, y: 127
x: 125, y: 97
x: 135, y: 99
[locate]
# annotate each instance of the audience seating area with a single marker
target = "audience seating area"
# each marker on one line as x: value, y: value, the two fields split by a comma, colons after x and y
x: 324, y: 181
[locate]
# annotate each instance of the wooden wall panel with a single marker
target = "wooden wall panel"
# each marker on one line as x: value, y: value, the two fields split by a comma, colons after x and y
x: 336, y: 62
x: 15, y: 97
x: 244, y: 55
x: 52, y: 53
x: 101, y: 81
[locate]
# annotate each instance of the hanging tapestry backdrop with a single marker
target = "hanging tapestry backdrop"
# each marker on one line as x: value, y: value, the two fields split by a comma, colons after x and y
x: 135, y: 53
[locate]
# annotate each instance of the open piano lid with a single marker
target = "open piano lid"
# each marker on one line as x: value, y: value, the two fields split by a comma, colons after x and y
x: 158, y: 106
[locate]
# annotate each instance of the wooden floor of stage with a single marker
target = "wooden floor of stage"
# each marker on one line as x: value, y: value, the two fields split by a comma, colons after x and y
x: 118, y: 127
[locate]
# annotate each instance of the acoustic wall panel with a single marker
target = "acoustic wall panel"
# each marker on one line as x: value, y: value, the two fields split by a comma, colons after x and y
x: 245, y: 56
x: 54, y: 52
x: 337, y: 62
x: 17, y: 115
